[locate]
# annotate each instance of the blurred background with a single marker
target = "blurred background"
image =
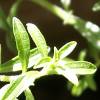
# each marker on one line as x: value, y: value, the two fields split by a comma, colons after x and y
x: 56, y: 34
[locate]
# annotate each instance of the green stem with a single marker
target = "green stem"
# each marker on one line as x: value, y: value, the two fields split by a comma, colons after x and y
x: 65, y: 16
x: 0, y: 53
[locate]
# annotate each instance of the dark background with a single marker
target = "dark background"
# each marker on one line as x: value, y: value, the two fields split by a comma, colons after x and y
x: 56, y: 34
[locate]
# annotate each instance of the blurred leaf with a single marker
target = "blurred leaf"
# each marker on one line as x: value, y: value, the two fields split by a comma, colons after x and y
x: 80, y: 67
x: 89, y: 31
x: 91, y: 82
x: 19, y: 85
x: 67, y: 49
x: 9, y: 36
x: 82, y: 55
x: 96, y: 6
x: 78, y: 90
x: 3, y: 23
x: 93, y: 52
x: 16, y: 99
x: 15, y: 65
x: 56, y: 10
x: 84, y: 82
x: 13, y: 11
x: 66, y: 4
x: 22, y: 42
x: 29, y: 95
x: 38, y: 38
x: 10, y: 41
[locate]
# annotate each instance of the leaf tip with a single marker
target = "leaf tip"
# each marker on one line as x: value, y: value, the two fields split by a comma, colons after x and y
x: 31, y: 27
x: 15, y: 19
x: 74, y: 43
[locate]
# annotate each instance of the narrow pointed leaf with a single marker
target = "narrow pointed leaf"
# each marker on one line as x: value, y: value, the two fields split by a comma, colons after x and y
x: 3, y: 23
x: 3, y: 89
x: 13, y: 11
x: 22, y: 42
x: 42, y: 62
x: 81, y: 67
x: 67, y: 49
x: 29, y: 95
x: 19, y: 85
x: 71, y: 76
x: 15, y: 65
x: 37, y: 38
x: 56, y: 54
x: 64, y: 61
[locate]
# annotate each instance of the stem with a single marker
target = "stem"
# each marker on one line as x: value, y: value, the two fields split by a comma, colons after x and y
x: 56, y: 10
x: 0, y: 53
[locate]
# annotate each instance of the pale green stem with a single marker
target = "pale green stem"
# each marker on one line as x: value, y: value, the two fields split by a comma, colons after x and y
x: 0, y: 53
x: 65, y: 16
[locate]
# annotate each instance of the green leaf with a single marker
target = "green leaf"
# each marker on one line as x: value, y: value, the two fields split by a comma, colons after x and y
x: 29, y: 95
x: 16, y: 99
x: 78, y: 90
x: 66, y: 4
x: 91, y: 82
x: 3, y: 23
x: 56, y: 55
x: 42, y: 62
x: 80, y: 67
x: 89, y: 31
x: 38, y: 38
x: 13, y: 11
x: 67, y: 49
x: 19, y: 85
x: 3, y: 89
x: 64, y: 61
x: 15, y: 65
x: 70, y: 75
x: 22, y: 42
x: 96, y: 6
x: 5, y: 78
x: 82, y: 55
x: 85, y: 82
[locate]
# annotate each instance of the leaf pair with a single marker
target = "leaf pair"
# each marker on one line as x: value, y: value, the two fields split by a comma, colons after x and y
x: 23, y: 43
x: 71, y: 69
